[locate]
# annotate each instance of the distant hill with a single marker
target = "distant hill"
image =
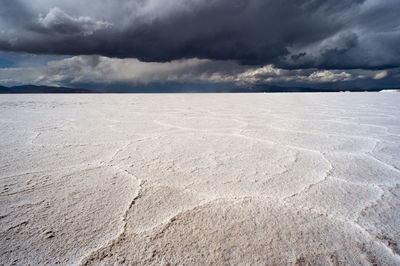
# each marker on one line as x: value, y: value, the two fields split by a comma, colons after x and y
x: 2, y: 88
x: 40, y: 89
x: 253, y: 88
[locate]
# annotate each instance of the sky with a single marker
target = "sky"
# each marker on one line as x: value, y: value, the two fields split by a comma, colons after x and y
x: 106, y: 43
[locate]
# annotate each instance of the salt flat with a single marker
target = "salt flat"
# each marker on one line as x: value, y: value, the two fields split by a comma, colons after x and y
x: 200, y: 179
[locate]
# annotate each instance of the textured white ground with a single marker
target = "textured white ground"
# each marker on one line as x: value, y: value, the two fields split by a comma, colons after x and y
x: 200, y: 179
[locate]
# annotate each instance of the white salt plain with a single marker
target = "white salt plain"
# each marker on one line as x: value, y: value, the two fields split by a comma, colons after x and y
x: 200, y: 179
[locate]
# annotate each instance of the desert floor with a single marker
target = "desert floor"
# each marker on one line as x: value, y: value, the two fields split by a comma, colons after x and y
x: 200, y: 179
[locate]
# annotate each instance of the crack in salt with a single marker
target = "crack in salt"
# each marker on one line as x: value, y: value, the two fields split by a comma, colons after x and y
x: 111, y: 242
x: 168, y: 223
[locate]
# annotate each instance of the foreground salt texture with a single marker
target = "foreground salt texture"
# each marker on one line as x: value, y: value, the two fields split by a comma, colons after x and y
x: 200, y: 179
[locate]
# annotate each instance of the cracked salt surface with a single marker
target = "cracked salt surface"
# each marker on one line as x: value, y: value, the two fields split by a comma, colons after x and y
x: 200, y: 179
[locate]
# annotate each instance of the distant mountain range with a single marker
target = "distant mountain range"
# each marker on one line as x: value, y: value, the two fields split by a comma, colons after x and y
x: 40, y: 89
x: 255, y: 88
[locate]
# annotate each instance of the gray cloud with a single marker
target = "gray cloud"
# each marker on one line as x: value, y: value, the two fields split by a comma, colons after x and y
x: 341, y: 34
x: 58, y: 22
x: 99, y: 69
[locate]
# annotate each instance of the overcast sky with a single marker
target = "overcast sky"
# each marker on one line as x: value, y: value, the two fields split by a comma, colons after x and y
x: 315, y: 43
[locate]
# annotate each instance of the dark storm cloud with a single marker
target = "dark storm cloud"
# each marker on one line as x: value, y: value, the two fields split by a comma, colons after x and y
x: 287, y: 33
x: 13, y: 12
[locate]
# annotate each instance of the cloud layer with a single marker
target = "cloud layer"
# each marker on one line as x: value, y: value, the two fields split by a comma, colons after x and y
x: 309, y: 34
x: 99, y: 71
